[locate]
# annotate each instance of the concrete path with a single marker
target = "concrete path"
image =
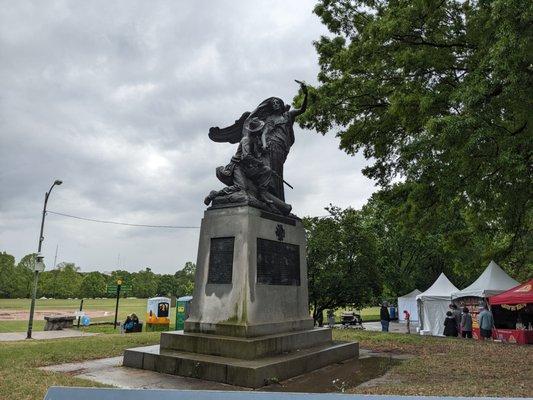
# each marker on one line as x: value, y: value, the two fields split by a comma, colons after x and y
x: 394, y: 327
x: 110, y: 371
x: 44, y: 335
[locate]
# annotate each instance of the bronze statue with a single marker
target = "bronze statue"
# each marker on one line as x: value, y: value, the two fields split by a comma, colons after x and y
x: 255, y: 174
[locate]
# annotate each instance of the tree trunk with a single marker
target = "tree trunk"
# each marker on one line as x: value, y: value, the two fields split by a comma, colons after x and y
x: 318, y: 316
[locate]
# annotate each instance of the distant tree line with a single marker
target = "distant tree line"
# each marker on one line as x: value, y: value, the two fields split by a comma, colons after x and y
x: 67, y: 281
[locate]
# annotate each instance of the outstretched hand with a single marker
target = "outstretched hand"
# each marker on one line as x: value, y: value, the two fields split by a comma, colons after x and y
x: 303, y: 86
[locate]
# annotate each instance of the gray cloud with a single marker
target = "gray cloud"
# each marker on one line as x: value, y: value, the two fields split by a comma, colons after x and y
x: 116, y: 99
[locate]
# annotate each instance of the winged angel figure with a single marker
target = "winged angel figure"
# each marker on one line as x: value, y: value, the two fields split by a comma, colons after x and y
x: 254, y: 175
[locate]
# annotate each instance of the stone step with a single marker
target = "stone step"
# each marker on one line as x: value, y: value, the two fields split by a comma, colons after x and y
x: 233, y: 371
x: 245, y: 348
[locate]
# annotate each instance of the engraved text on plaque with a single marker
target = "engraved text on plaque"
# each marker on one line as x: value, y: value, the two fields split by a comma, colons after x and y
x: 221, y: 260
x: 278, y: 263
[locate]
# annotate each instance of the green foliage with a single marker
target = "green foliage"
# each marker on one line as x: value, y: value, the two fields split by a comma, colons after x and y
x: 144, y: 283
x: 93, y: 285
x: 439, y: 94
x: 7, y: 270
x: 341, y: 255
x: 185, y: 279
x: 66, y: 281
x: 61, y: 282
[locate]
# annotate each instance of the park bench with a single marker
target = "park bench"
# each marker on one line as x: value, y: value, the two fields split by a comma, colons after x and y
x: 58, y: 323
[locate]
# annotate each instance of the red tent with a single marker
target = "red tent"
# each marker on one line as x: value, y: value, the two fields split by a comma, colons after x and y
x: 521, y: 294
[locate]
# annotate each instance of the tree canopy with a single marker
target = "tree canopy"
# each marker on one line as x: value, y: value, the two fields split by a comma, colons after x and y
x: 438, y: 95
x: 341, y: 255
x: 66, y: 281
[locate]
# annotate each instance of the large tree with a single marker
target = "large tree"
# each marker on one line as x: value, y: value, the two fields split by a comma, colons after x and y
x: 341, y: 255
x: 438, y: 93
x: 93, y: 285
x: 7, y: 270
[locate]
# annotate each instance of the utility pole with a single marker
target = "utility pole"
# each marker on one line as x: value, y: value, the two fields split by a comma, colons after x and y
x: 55, y: 257
x: 39, y: 264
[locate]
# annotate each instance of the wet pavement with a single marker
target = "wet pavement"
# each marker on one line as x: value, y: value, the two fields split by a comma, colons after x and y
x: 332, y: 378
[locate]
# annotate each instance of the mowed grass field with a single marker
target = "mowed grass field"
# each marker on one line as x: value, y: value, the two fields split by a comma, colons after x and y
x: 127, y: 306
x: 440, y: 366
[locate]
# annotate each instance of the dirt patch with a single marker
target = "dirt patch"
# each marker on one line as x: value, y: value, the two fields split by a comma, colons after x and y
x: 19, y: 315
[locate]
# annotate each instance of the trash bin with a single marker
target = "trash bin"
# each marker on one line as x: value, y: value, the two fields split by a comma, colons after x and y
x: 392, y: 313
x: 157, y: 314
x: 183, y: 305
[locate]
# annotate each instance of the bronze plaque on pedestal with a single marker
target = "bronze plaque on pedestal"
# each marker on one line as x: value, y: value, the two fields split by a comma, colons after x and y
x: 221, y: 260
x: 278, y: 263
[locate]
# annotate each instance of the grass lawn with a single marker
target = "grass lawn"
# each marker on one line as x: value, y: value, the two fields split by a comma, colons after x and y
x: 368, y: 314
x: 126, y: 307
x: 449, y: 367
x: 440, y: 367
x: 20, y: 379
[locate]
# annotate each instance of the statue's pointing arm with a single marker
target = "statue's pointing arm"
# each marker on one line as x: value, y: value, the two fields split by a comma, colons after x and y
x: 297, y: 111
x: 230, y: 134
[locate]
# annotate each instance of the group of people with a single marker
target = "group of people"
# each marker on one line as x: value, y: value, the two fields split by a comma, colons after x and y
x: 131, y: 324
x: 459, y: 322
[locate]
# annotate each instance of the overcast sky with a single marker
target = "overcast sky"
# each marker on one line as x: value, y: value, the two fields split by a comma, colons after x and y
x: 116, y: 98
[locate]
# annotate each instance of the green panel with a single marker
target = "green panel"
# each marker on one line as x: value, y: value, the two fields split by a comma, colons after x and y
x: 180, y: 315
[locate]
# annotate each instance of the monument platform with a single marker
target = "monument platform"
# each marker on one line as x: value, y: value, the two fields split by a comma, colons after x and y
x: 249, y: 321
x: 252, y: 373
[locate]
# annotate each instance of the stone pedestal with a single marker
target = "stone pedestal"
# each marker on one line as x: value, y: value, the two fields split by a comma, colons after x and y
x: 233, y: 295
x: 249, y: 321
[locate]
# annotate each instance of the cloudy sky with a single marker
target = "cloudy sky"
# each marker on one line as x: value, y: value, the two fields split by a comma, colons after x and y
x: 116, y: 98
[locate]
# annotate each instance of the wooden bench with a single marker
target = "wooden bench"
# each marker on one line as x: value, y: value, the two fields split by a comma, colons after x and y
x: 58, y: 323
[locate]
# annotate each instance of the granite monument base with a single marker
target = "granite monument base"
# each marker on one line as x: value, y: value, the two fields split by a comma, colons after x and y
x: 248, y: 362
x: 249, y: 320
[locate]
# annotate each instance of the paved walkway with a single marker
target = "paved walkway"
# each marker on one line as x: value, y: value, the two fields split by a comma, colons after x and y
x: 394, y: 327
x: 44, y: 335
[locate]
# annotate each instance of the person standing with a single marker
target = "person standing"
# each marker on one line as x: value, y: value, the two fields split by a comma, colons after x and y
x: 466, y: 324
x: 486, y: 322
x: 407, y: 318
x: 450, y: 325
x: 384, y: 316
x: 331, y: 318
x: 457, y: 315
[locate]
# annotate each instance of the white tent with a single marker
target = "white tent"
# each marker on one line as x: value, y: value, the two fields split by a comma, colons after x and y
x: 408, y: 302
x: 433, y: 305
x: 492, y: 281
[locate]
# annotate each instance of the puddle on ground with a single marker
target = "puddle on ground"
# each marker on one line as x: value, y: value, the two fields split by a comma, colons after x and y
x: 337, y: 377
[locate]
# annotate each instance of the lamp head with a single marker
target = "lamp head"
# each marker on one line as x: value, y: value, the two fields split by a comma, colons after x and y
x: 58, y: 182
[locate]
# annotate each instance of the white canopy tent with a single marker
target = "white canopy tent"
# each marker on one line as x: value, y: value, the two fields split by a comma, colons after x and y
x: 433, y: 305
x: 408, y: 302
x: 492, y: 281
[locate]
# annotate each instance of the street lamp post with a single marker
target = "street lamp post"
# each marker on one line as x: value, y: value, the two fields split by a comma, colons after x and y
x: 39, y: 259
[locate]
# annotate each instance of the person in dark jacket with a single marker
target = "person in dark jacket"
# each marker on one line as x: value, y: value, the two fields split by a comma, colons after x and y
x: 450, y: 325
x: 384, y: 316
x: 457, y: 315
x: 466, y: 324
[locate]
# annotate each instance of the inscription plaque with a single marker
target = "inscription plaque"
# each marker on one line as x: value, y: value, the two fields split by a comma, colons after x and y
x: 221, y: 260
x: 278, y: 263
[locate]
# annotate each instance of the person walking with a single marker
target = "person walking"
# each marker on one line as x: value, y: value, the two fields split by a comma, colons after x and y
x: 450, y: 325
x: 384, y: 316
x: 466, y: 324
x: 486, y: 322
